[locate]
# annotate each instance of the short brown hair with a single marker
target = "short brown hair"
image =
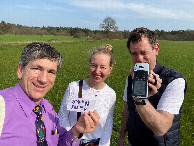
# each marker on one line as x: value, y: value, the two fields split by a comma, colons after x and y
x: 137, y: 34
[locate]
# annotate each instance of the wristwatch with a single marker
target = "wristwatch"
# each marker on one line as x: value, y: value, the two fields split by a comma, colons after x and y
x: 142, y: 102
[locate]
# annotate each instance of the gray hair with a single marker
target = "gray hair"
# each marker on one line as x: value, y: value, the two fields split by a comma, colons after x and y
x: 39, y: 50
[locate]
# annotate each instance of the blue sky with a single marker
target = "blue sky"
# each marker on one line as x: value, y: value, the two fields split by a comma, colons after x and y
x: 154, y: 14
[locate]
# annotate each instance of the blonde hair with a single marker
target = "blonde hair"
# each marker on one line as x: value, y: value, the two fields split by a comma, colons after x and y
x: 108, y: 47
x: 105, y: 49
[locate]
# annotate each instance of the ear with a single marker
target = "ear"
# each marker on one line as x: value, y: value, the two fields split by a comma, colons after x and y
x: 19, y: 71
x: 111, y: 69
x: 156, y: 49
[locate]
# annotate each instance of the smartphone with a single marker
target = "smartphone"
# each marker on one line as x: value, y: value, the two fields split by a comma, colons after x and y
x: 140, y: 80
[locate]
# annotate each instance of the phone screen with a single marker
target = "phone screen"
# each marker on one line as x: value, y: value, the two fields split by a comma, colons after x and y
x: 140, y: 88
x: 140, y: 84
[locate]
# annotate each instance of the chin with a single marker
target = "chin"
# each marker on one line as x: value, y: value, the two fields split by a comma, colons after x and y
x: 97, y: 81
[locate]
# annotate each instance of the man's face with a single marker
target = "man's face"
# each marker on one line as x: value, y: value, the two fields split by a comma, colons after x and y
x: 142, y: 52
x: 37, y: 78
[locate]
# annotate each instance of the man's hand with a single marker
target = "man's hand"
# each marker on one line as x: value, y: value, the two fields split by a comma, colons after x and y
x: 154, y: 83
x: 86, y: 123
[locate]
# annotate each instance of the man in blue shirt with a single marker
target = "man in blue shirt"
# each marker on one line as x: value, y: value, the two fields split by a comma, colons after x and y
x: 36, y: 72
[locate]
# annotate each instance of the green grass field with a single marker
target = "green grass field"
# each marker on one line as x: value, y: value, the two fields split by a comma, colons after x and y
x: 15, y: 39
x: 176, y: 54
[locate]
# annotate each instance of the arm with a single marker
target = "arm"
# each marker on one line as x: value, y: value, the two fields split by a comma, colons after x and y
x: 107, y: 130
x: 63, y: 112
x: 125, y: 117
x: 160, y: 120
x: 2, y: 113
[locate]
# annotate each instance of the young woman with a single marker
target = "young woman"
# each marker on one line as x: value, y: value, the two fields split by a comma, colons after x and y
x: 101, y: 64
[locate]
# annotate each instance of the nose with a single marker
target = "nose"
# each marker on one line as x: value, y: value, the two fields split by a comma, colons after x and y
x: 43, y: 77
x: 98, y: 70
x: 139, y: 58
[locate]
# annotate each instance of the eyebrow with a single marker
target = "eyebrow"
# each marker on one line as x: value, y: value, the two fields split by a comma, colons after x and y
x: 36, y: 66
x: 39, y: 66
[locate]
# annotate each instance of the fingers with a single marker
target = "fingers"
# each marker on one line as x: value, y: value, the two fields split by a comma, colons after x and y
x: 131, y: 72
x: 154, y: 83
x: 96, y: 114
x: 87, y: 122
x: 153, y: 91
x: 94, y: 118
x: 91, y: 121
x: 155, y: 80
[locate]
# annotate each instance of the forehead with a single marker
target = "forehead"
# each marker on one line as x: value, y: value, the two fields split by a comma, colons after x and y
x: 143, y: 44
x: 100, y: 58
x: 44, y: 62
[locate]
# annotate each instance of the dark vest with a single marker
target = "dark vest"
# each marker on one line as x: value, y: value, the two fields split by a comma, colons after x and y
x: 138, y: 133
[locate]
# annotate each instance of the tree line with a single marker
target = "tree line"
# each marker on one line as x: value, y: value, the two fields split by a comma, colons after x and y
x: 16, y: 29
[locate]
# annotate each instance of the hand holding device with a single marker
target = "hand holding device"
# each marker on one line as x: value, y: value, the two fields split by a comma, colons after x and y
x: 155, y: 83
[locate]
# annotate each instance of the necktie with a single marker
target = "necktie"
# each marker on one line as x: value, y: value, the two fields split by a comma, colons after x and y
x: 40, y: 127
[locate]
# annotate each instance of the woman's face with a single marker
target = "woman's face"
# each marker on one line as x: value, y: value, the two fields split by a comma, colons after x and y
x: 100, y: 67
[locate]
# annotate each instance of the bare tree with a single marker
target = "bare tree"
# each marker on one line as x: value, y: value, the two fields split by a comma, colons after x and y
x: 109, y: 24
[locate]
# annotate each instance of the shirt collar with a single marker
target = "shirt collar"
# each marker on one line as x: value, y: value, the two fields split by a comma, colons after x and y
x: 26, y: 103
x: 157, y: 68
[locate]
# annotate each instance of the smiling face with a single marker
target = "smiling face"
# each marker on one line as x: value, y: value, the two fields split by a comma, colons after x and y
x: 37, y: 78
x: 142, y: 52
x: 99, y: 67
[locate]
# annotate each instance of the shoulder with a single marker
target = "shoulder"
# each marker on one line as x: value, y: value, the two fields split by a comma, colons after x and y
x: 167, y: 71
x: 170, y: 74
x: 177, y: 84
x: 110, y: 92
x: 73, y: 84
x: 73, y: 87
x: 2, y: 101
x: 7, y: 94
x: 108, y: 88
